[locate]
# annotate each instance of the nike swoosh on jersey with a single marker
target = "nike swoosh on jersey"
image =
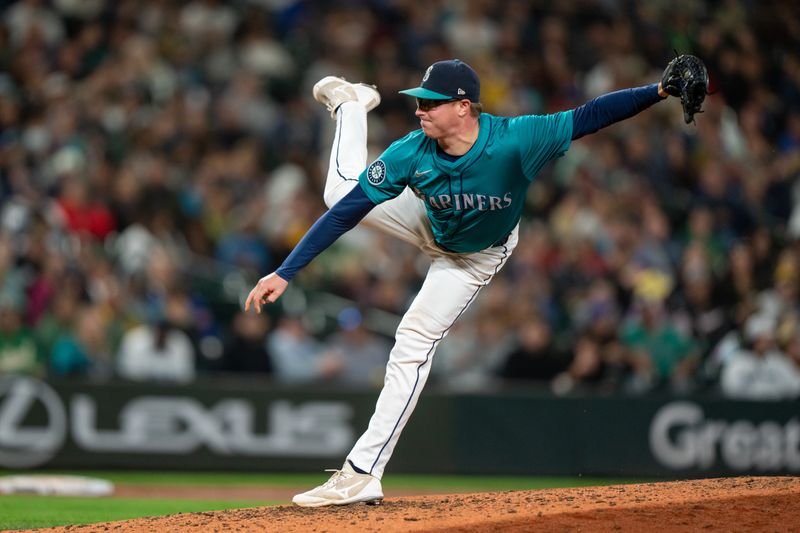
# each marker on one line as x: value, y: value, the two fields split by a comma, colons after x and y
x: 418, y: 173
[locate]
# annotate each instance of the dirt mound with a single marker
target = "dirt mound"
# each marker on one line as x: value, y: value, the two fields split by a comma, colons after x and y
x: 733, y: 504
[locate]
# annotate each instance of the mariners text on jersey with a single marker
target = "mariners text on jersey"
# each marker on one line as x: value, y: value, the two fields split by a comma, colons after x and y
x: 481, y: 202
x: 476, y: 200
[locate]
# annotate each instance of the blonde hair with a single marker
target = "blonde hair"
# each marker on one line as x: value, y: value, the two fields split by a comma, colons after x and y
x: 475, y: 109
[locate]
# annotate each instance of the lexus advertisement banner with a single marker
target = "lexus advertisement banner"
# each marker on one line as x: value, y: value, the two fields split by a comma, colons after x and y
x: 207, y: 427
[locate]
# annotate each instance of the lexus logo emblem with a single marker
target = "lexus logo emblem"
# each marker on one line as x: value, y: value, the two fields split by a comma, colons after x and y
x: 33, y: 422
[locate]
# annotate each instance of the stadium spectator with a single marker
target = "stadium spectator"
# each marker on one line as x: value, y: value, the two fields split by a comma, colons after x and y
x: 58, y: 321
x: 535, y: 355
x: 363, y: 355
x: 782, y: 297
x: 297, y: 356
x: 30, y: 18
x: 758, y: 370
x: 660, y: 354
x: 470, y: 360
x: 246, y: 349
x: 85, y: 352
x: 695, y: 309
x: 156, y: 351
x: 739, y: 282
x: 601, y: 363
x: 18, y: 351
x: 81, y: 211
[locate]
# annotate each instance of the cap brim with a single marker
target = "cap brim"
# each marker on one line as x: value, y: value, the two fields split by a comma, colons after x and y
x: 419, y: 92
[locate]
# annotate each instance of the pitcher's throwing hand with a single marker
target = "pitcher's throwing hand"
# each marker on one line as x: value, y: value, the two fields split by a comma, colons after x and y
x: 267, y: 290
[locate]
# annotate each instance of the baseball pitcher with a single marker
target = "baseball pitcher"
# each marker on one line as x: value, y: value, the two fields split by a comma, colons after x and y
x: 455, y: 188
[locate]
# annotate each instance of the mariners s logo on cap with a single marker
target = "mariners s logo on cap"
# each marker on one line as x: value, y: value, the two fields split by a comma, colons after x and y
x: 447, y: 80
x: 376, y: 172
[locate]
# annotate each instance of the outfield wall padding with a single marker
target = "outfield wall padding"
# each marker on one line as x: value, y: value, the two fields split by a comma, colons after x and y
x: 260, y: 427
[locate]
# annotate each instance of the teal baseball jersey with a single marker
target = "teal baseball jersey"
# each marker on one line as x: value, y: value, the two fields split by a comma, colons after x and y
x: 475, y: 201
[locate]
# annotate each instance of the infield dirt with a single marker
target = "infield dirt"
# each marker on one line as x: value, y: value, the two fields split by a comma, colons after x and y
x: 770, y: 504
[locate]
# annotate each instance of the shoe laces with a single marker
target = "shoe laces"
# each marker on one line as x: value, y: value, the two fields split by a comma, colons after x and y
x: 338, y: 475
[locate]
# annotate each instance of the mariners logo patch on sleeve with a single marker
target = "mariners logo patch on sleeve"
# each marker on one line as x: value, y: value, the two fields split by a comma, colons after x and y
x: 376, y: 172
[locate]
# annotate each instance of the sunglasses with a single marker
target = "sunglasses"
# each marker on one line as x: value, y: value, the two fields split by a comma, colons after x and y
x: 425, y: 104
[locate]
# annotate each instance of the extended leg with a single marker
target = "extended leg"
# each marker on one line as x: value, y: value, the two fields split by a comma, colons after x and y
x: 452, y: 284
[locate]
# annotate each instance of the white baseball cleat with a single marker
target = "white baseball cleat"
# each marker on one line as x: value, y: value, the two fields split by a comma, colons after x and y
x: 367, y: 95
x: 333, y: 92
x: 345, y: 486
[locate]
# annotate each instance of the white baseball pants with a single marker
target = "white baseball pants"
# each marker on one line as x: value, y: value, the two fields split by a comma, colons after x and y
x: 452, y: 283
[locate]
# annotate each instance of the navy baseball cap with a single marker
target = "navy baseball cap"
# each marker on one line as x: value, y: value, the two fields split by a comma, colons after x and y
x: 447, y: 80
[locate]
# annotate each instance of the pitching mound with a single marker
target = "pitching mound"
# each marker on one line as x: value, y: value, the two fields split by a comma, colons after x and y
x: 733, y: 504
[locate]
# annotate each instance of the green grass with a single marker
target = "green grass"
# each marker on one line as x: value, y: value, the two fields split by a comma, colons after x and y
x: 144, y: 477
x: 24, y: 512
x: 28, y: 511
x: 400, y: 481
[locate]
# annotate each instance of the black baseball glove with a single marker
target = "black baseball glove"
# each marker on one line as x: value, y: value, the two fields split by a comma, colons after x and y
x: 686, y: 77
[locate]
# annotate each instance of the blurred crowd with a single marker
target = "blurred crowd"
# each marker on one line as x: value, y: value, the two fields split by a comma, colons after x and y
x: 158, y: 156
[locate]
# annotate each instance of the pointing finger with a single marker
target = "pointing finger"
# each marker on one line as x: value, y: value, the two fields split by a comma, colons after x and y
x: 252, y: 298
